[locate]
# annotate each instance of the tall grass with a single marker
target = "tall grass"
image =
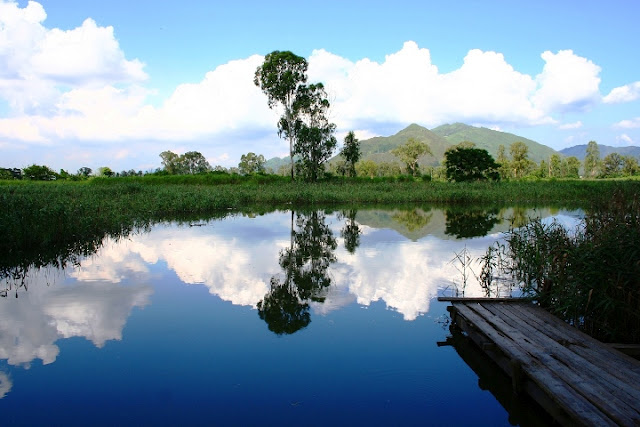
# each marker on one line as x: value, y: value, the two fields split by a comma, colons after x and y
x: 589, y: 276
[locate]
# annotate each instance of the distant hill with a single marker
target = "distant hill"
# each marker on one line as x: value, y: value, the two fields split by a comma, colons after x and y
x: 379, y: 148
x: 275, y: 163
x: 580, y: 151
x: 439, y: 139
x: 490, y: 140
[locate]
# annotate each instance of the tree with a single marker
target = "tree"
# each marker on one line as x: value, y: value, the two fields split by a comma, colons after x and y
x: 280, y: 77
x: 612, y: 165
x: 503, y: 162
x: 191, y: 162
x: 170, y: 162
x: 194, y: 162
x: 314, y: 140
x: 39, y: 173
x: 572, y: 167
x: 105, y: 171
x: 520, y: 163
x: 410, y: 152
x: 251, y: 163
x: 555, y: 166
x: 85, y: 172
x: 592, y: 160
x: 470, y: 164
x: 629, y: 165
x: 367, y: 168
x: 351, y: 153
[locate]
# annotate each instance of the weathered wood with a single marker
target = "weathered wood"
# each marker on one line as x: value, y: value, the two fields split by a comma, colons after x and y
x: 600, y: 365
x: 590, y: 381
x: 479, y: 299
x: 559, y: 391
x: 612, y: 395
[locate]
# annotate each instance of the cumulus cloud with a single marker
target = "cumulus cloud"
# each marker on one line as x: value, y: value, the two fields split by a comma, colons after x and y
x: 626, y: 93
x: 624, y: 138
x: 77, y: 86
x: 36, y: 60
x: 570, y: 126
x: 568, y: 82
x: 628, y: 124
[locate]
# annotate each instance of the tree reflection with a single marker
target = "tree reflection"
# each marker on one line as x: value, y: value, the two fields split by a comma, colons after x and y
x: 468, y: 223
x: 351, y: 231
x: 305, y: 264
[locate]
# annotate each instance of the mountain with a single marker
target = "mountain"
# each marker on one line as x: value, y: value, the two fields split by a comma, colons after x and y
x: 580, y: 151
x: 379, y: 148
x: 275, y: 163
x: 439, y: 139
x: 490, y: 140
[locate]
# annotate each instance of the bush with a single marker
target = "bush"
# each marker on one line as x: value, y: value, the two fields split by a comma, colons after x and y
x: 589, y: 277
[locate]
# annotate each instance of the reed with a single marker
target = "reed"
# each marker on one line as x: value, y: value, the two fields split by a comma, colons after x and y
x: 589, y: 276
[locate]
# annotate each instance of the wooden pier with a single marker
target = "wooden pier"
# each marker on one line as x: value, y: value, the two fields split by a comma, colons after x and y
x: 575, y: 378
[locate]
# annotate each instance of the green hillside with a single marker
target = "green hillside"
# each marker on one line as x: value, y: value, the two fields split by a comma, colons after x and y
x: 440, y: 139
x: 490, y: 140
x: 379, y: 148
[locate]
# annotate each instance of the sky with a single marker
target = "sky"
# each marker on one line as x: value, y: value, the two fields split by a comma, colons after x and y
x: 92, y: 84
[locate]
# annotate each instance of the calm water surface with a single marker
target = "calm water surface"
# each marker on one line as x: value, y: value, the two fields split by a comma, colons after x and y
x: 304, y: 318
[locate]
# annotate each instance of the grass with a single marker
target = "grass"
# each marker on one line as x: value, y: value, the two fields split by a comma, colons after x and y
x: 45, y: 223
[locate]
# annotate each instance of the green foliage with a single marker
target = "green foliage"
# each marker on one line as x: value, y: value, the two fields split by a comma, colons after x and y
x: 612, y: 165
x: 84, y: 172
x: 490, y: 140
x: 592, y: 160
x: 470, y: 164
x: 367, y: 168
x: 520, y: 163
x: 39, y: 173
x: 630, y: 166
x: 351, y: 153
x: 280, y: 77
x: 314, y: 140
x: 105, y: 171
x: 410, y: 152
x: 251, y: 163
x: 191, y: 162
x: 589, y: 276
x: 571, y: 167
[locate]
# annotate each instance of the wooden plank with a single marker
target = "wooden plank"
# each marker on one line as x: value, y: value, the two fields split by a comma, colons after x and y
x: 581, y: 382
x: 563, y: 395
x: 586, y: 348
x: 600, y: 353
x: 479, y: 299
x: 614, y: 392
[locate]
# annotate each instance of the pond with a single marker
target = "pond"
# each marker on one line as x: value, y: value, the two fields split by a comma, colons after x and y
x: 308, y: 317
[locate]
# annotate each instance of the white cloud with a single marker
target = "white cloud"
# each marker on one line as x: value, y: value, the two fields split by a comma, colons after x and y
x: 624, y: 138
x: 35, y: 62
x: 628, y: 124
x: 69, y: 88
x: 569, y: 126
x: 568, y: 82
x: 626, y: 93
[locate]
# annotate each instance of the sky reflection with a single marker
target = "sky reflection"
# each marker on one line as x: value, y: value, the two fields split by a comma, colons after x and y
x: 402, y: 259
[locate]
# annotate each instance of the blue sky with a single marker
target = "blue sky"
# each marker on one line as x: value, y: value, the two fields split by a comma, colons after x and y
x: 87, y: 83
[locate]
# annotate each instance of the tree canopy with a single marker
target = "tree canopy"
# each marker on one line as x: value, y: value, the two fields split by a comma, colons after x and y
x: 470, y: 164
x: 280, y: 77
x: 251, y: 163
x: 351, y: 153
x: 410, y: 152
x: 191, y: 162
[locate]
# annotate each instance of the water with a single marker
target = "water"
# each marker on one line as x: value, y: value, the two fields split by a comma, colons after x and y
x: 313, y: 318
